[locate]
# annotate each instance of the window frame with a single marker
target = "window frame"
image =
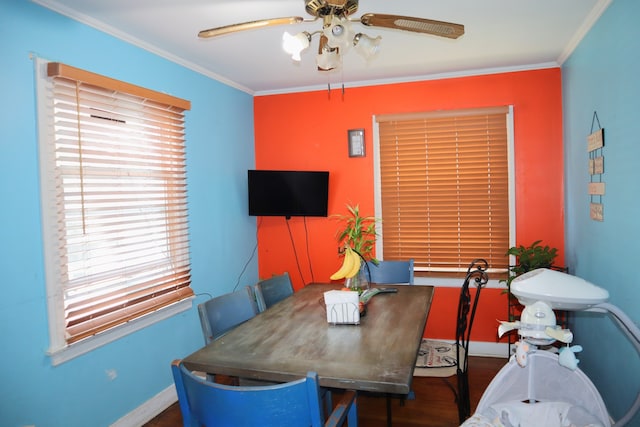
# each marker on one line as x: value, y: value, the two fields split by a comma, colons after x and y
x: 60, y: 350
x: 446, y: 279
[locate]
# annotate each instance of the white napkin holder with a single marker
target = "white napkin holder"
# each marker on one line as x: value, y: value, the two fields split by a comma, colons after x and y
x: 342, y: 307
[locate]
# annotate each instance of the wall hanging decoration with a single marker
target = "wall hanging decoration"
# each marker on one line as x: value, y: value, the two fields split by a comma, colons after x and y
x: 595, y: 144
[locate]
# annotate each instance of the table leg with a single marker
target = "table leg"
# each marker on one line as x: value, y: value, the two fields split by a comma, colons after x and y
x: 389, y: 416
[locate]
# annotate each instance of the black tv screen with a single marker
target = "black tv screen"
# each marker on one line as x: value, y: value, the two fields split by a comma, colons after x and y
x: 288, y: 193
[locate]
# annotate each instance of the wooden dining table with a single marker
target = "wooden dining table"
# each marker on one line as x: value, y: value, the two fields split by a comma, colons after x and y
x: 293, y: 337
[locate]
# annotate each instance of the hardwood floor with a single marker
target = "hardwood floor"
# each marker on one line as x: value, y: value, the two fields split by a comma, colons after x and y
x: 433, y: 406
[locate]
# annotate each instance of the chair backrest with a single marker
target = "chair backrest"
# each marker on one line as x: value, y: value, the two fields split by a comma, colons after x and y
x: 273, y: 290
x: 295, y: 403
x: 222, y: 313
x: 390, y: 272
x: 477, y: 271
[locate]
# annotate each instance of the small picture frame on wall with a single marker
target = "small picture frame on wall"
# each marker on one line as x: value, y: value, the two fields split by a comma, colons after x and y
x: 356, y: 143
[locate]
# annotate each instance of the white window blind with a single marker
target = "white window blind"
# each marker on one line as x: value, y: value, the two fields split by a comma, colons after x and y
x: 444, y: 187
x: 114, y: 202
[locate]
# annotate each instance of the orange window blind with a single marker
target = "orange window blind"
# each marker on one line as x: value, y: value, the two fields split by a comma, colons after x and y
x: 444, y: 186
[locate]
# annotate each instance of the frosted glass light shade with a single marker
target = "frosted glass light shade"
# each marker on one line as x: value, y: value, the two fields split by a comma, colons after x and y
x: 328, y: 59
x: 367, y: 46
x: 294, y: 45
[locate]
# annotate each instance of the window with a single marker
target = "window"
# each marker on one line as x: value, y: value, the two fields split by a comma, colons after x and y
x: 113, y: 189
x: 443, y: 188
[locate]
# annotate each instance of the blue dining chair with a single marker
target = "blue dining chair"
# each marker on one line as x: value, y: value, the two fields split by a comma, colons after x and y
x: 386, y: 272
x: 295, y: 403
x: 273, y: 290
x: 220, y: 314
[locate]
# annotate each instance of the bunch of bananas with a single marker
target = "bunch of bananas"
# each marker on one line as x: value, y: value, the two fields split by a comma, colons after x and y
x: 350, y: 265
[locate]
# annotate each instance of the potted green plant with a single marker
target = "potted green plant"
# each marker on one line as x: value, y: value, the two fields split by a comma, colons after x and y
x: 527, y: 258
x: 358, y: 233
x: 356, y: 239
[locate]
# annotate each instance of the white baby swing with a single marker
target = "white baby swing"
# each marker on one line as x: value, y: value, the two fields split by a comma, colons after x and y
x: 540, y: 387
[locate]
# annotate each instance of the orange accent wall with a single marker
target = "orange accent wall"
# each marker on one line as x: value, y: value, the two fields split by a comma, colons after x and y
x: 308, y: 131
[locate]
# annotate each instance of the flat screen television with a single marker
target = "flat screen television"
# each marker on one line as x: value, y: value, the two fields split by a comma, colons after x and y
x: 288, y: 193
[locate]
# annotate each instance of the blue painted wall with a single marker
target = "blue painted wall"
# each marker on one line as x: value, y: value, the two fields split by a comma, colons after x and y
x: 603, y: 75
x: 219, y: 151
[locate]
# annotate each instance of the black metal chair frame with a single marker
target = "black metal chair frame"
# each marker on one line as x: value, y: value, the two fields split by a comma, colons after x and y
x: 477, y: 271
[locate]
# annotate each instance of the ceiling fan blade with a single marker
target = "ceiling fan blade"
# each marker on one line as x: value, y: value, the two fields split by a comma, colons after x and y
x: 251, y: 25
x: 417, y: 25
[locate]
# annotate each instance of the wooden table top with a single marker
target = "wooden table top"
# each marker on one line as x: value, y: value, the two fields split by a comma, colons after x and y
x: 293, y: 337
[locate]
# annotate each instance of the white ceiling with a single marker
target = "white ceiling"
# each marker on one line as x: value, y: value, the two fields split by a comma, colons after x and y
x: 500, y: 35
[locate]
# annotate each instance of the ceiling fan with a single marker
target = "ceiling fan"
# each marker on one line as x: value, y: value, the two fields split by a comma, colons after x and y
x: 336, y: 35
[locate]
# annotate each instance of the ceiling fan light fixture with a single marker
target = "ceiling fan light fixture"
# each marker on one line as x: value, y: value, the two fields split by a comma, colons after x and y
x: 336, y: 34
x: 328, y: 59
x: 337, y: 30
x: 339, y: 34
x: 294, y: 45
x: 367, y: 46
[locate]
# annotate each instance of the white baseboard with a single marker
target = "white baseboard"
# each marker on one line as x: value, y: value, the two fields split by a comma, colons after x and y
x: 489, y: 349
x: 485, y: 349
x: 149, y: 410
